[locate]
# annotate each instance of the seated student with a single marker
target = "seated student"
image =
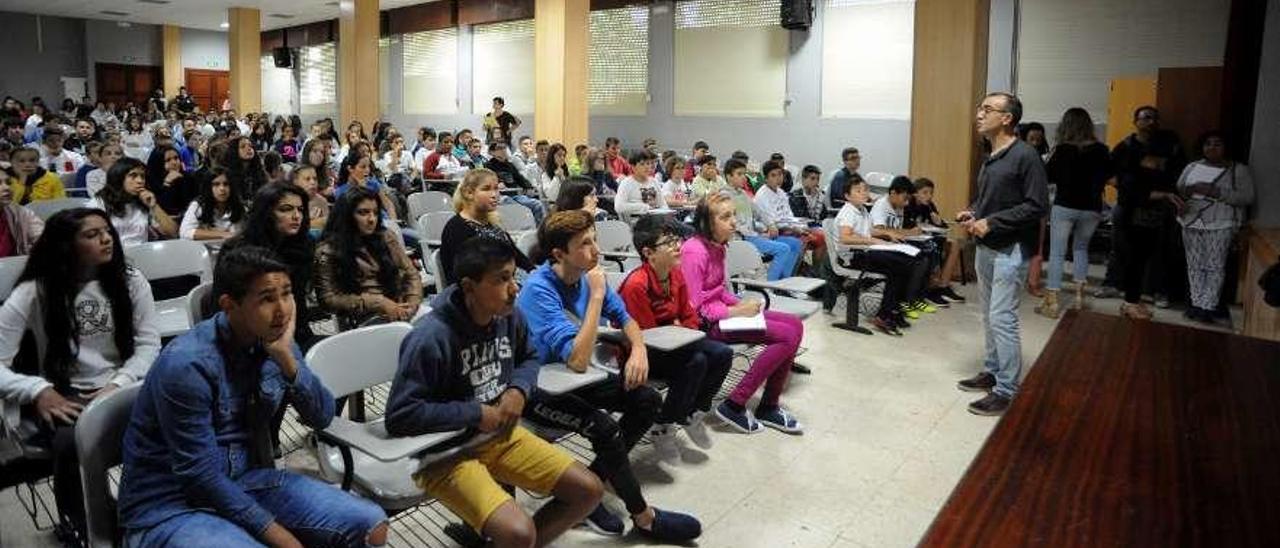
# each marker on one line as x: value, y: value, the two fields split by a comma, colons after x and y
x: 776, y: 207
x: 133, y: 210
x: 191, y: 149
x: 755, y: 226
x: 708, y: 179
x: 198, y: 466
x: 85, y: 132
x: 656, y: 294
x: 922, y: 210
x: 166, y: 179
x: 639, y: 192
x: 461, y: 143
x: 425, y: 144
x: 787, y: 182
x: 19, y: 226
x: 362, y: 270
x: 886, y: 224
x: 691, y: 168
x: 808, y: 200
x: 244, y: 167
x: 904, y: 274
x: 537, y: 165
x: 702, y: 263
x: 93, y: 151
x: 304, y: 177
x: 287, y: 145
x: 578, y: 162
x: 755, y: 179
x: 54, y: 157
x: 564, y: 301
x: 273, y: 165
x: 442, y: 164
x: 216, y: 213
x: 580, y: 193
x: 509, y: 176
x: 476, y: 202
x: 397, y: 164
x: 852, y: 161
x: 469, y: 364
x: 94, y: 323
x: 357, y: 172
x: 598, y: 170
x: 618, y: 165
x: 475, y: 154
x: 526, y: 156
x: 30, y: 182
x: 96, y: 178
x: 676, y: 191
x: 554, y: 172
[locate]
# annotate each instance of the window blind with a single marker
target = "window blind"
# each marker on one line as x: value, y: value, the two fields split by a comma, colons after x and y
x: 277, y: 87
x: 730, y: 58
x: 317, y: 78
x: 502, y: 65
x: 619, y: 61
x: 867, y: 56
x: 431, y: 72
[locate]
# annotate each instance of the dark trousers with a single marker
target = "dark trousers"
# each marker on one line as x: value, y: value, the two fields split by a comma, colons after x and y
x: 1144, y: 242
x: 1115, y: 258
x: 586, y: 411
x: 904, y: 276
x: 693, y: 374
x: 60, y: 439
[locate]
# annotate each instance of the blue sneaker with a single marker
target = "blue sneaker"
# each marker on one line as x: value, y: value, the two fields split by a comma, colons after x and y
x: 672, y: 527
x: 779, y: 419
x: 740, y: 421
x: 602, y: 521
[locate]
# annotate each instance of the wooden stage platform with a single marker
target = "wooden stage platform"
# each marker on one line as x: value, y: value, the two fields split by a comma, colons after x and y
x: 1129, y: 434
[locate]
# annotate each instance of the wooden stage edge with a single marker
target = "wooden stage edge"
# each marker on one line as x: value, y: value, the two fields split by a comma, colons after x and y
x: 1129, y: 434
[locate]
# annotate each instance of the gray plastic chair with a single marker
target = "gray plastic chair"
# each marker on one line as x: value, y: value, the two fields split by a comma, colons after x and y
x: 854, y: 281
x: 100, y: 446
x: 170, y: 259
x: 614, y: 238
x: 10, y: 270
x: 195, y: 303
x: 431, y: 226
x: 526, y: 242
x: 516, y: 218
x: 743, y: 266
x: 422, y: 203
x: 46, y: 208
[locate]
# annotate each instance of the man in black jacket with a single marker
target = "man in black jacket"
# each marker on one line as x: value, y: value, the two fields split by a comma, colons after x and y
x: 1013, y: 196
x: 509, y: 176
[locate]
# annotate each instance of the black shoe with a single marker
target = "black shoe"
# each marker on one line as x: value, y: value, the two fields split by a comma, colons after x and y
x: 801, y: 369
x: 990, y: 406
x: 935, y: 296
x: 982, y: 382
x: 900, y: 320
x: 886, y: 326
x: 951, y: 294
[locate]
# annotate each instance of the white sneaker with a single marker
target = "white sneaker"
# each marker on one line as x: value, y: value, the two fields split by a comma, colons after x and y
x: 664, y: 441
x: 697, y: 430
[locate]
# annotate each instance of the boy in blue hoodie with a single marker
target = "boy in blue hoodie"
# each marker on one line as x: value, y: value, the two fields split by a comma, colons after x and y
x: 469, y: 364
x: 565, y: 301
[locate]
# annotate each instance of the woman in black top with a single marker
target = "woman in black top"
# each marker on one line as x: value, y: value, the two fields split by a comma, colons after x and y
x: 244, y: 168
x: 1079, y: 166
x: 173, y: 189
x: 476, y: 201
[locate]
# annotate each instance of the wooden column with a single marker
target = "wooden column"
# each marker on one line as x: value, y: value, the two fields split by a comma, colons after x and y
x: 950, y: 78
x: 358, y: 95
x: 172, y: 45
x: 561, y: 42
x: 245, y: 39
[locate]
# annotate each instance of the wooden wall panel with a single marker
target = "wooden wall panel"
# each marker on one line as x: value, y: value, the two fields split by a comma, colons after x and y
x: 475, y: 12
x: 561, y: 43
x: 245, y: 47
x: 172, y: 47
x: 1190, y: 102
x: 429, y: 16
x: 359, y: 97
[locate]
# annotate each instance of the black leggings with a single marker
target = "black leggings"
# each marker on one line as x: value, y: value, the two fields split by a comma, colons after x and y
x: 693, y: 374
x: 904, y: 276
x: 1143, y: 243
x: 586, y: 412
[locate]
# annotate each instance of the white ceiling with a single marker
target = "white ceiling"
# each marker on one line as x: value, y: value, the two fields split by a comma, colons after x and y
x: 197, y: 14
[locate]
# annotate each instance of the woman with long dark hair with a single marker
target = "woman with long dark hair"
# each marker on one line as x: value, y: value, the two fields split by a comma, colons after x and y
x: 167, y: 180
x: 361, y: 268
x: 244, y: 167
x: 217, y: 213
x: 555, y: 171
x: 93, y: 321
x: 133, y: 210
x: 313, y: 154
x: 580, y: 193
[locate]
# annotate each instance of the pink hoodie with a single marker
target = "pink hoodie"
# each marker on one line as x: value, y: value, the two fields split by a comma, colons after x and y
x: 702, y: 263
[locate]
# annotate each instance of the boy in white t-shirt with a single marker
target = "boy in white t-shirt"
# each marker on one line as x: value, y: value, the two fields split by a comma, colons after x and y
x: 904, y: 274
x: 639, y: 192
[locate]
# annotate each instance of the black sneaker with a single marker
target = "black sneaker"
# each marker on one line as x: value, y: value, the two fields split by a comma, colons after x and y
x: 900, y: 320
x: 602, y: 521
x: 935, y: 296
x: 990, y: 406
x: 886, y: 326
x: 982, y: 382
x: 800, y: 369
x: 951, y: 294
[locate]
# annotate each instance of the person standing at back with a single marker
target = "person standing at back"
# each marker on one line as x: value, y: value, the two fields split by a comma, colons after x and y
x: 1013, y: 195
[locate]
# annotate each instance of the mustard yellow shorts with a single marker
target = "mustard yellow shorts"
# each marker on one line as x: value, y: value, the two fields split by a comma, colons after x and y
x: 469, y: 487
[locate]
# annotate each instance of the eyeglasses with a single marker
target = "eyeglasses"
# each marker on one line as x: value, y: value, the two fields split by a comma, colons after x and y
x: 988, y: 109
x: 669, y: 243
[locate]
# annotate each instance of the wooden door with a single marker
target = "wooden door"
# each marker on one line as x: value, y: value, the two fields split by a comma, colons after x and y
x: 208, y: 87
x: 1190, y: 102
x: 126, y: 83
x: 1127, y: 94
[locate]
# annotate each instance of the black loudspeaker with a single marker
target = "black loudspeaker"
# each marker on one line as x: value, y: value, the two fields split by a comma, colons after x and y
x: 797, y: 14
x: 283, y: 57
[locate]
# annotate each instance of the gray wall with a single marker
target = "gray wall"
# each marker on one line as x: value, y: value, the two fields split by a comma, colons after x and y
x: 108, y: 42
x: 1000, y: 45
x: 33, y: 66
x: 1265, y: 155
x: 802, y: 134
x: 204, y: 49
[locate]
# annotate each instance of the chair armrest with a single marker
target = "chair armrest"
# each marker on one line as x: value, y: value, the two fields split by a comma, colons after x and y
x: 799, y: 284
x: 371, y: 438
x: 557, y: 378
x: 671, y: 337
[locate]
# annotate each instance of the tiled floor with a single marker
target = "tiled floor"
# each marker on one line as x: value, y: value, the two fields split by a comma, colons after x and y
x: 887, y: 437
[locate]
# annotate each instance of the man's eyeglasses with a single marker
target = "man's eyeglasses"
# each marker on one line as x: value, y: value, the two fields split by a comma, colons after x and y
x: 988, y: 109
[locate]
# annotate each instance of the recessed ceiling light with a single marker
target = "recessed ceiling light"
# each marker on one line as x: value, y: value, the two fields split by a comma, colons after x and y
x: 113, y: 12
x: 225, y: 25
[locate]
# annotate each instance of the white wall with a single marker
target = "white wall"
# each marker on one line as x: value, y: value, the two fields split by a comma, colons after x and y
x: 205, y: 49
x: 1266, y: 125
x: 107, y: 42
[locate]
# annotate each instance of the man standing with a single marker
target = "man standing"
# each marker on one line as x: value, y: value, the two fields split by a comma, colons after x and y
x: 1005, y: 218
x: 852, y: 161
x: 499, y: 124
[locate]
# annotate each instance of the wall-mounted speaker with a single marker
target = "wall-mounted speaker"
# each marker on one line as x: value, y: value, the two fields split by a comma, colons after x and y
x: 283, y: 57
x: 797, y: 14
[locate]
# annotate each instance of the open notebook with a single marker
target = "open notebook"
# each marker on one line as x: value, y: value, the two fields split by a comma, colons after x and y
x: 752, y: 323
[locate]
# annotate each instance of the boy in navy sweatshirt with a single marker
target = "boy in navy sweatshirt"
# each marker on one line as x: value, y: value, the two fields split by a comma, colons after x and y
x: 469, y: 364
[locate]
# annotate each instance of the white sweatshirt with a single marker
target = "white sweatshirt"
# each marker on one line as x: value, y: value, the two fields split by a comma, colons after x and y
x: 635, y: 197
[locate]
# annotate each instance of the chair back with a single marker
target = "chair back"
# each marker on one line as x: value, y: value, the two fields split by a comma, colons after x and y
x: 46, y: 208
x: 516, y: 218
x: 100, y: 446
x: 10, y: 269
x: 742, y: 259
x: 613, y: 235
x: 879, y: 181
x: 436, y: 270
x: 354, y: 360
x: 431, y: 224
x: 196, y: 301
x: 832, y: 233
x: 68, y: 179
x: 527, y: 242
x: 170, y: 259
x: 422, y: 203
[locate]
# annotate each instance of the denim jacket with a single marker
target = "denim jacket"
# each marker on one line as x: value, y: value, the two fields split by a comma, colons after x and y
x: 187, y: 446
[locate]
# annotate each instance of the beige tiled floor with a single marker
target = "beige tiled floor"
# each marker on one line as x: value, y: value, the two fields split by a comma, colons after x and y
x: 887, y: 438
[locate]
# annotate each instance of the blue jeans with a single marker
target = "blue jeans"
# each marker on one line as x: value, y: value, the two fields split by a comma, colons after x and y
x: 1079, y: 225
x: 535, y: 206
x: 1000, y: 276
x: 317, y: 513
x: 785, y: 251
